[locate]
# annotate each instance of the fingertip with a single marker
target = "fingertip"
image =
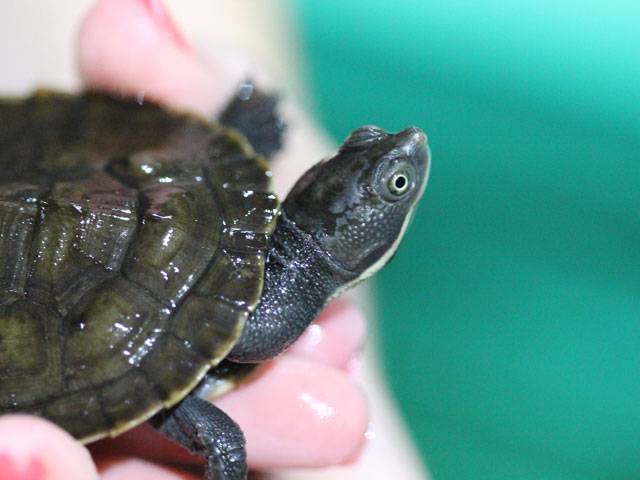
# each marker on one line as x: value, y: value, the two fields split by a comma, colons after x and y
x: 335, y: 338
x: 36, y: 449
x: 299, y: 414
x: 138, y: 469
x: 133, y: 46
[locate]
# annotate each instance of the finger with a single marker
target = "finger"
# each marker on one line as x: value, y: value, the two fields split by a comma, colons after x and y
x: 34, y: 449
x: 129, y: 469
x: 133, y: 46
x: 299, y: 414
x: 295, y: 414
x: 335, y: 338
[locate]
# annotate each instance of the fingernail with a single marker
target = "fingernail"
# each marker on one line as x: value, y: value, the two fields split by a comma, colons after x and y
x: 34, y: 469
x: 164, y: 21
x: 335, y: 338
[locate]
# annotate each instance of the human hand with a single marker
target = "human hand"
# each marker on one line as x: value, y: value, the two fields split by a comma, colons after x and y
x: 303, y: 410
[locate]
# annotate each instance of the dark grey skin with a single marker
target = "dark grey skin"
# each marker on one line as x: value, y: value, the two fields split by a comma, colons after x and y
x: 341, y: 223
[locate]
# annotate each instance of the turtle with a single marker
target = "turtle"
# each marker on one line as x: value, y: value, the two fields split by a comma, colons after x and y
x: 146, y: 261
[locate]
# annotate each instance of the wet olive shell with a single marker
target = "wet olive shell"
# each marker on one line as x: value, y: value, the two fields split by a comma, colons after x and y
x: 133, y: 244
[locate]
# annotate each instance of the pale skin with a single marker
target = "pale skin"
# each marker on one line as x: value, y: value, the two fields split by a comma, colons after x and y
x: 305, y: 410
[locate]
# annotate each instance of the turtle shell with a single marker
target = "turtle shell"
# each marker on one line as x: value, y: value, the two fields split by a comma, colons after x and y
x: 133, y: 245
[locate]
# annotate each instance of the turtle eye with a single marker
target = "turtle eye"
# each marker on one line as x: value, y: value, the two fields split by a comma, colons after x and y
x: 399, y: 183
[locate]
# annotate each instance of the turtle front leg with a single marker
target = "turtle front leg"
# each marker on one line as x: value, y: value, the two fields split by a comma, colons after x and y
x: 205, y: 430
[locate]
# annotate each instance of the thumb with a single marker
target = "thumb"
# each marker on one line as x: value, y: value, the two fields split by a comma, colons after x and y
x: 34, y: 449
x: 134, y: 47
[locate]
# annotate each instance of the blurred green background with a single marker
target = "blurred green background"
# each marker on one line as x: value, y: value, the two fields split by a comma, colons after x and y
x: 510, y: 319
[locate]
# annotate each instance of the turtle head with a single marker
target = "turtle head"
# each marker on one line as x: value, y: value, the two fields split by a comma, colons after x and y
x: 358, y: 203
x: 341, y: 222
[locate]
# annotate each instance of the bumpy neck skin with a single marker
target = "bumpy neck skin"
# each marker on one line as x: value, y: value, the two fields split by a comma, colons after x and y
x: 299, y: 280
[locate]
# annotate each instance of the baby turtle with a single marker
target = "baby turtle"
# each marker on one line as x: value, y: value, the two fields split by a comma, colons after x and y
x: 141, y: 247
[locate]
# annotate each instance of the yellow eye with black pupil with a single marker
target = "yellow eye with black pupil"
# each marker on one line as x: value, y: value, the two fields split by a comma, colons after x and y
x: 399, y: 183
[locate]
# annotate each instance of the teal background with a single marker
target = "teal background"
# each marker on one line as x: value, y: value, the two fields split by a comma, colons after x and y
x: 510, y: 319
